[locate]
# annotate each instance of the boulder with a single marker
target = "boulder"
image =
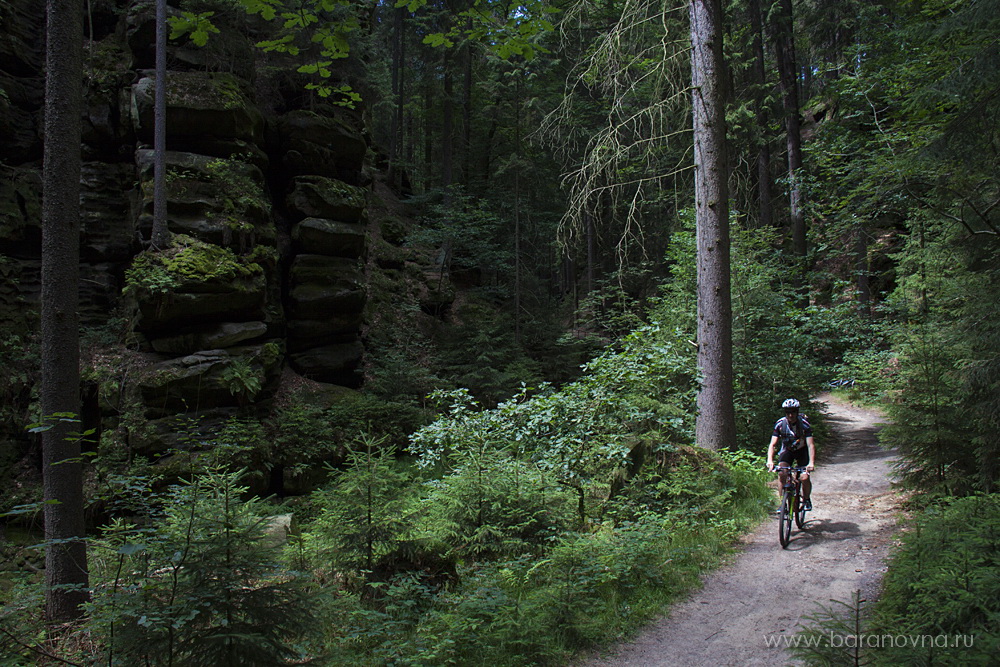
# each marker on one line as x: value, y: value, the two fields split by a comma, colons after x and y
x: 107, y: 231
x: 337, y: 328
x: 200, y: 106
x: 324, y: 287
x: 20, y: 211
x: 336, y: 364
x: 324, y: 144
x: 214, y: 199
x: 209, y: 379
x: 328, y: 237
x: 216, y: 336
x: 321, y: 197
x: 21, y: 117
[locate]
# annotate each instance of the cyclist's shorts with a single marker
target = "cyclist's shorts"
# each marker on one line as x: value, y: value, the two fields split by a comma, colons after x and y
x: 798, y: 458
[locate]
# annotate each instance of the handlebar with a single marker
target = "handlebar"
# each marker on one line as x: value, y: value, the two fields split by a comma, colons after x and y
x: 797, y: 469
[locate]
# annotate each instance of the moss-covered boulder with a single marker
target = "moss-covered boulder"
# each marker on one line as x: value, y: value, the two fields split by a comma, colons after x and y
x: 210, y: 379
x: 218, y: 200
x: 195, y: 282
x: 200, y: 105
x: 321, y: 197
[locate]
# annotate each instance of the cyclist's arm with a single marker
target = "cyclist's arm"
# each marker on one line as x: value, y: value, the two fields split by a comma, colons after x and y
x: 812, y: 453
x: 770, y: 452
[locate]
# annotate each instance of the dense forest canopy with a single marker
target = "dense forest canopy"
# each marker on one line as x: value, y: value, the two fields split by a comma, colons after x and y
x: 411, y: 373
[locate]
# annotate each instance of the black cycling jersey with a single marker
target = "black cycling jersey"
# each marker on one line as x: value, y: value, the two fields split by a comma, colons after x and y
x: 792, y: 436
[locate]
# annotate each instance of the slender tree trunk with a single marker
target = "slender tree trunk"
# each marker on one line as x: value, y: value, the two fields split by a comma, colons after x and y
x: 467, y: 110
x: 715, y: 427
x: 517, y: 212
x: 765, y: 188
x: 861, y: 269
x: 161, y: 235
x: 785, y: 48
x: 447, y: 126
x: 591, y: 251
x: 397, y: 75
x: 66, y: 554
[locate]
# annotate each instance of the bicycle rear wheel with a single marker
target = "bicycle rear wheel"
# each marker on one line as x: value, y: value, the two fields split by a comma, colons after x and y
x: 785, y: 519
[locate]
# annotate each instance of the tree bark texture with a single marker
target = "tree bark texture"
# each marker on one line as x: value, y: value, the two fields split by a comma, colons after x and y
x: 65, y: 556
x: 715, y: 427
x: 785, y: 50
x: 160, y: 235
x: 765, y: 186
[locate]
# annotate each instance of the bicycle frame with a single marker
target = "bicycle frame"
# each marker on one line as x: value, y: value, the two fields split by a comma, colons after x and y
x: 791, y: 504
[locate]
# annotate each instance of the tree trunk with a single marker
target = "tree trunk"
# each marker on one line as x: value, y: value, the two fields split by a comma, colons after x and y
x: 785, y: 48
x: 467, y: 110
x: 397, y: 75
x: 716, y: 422
x: 447, y: 126
x: 765, y: 187
x: 861, y: 268
x: 66, y: 553
x: 161, y: 235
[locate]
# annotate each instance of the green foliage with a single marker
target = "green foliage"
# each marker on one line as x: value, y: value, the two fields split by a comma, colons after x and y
x: 307, y: 432
x: 363, y: 523
x: 510, y: 31
x: 945, y: 580
x: 467, y: 229
x: 243, y: 379
x: 199, y: 26
x: 538, y: 607
x: 939, y: 602
x: 202, y: 587
x: 188, y: 260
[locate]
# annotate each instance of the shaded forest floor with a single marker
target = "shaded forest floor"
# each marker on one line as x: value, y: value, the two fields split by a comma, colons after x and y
x: 746, y: 607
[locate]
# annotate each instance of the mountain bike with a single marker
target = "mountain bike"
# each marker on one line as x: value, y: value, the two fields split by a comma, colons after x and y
x: 791, y: 505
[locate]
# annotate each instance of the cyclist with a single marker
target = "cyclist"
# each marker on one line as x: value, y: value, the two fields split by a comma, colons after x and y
x: 796, y: 437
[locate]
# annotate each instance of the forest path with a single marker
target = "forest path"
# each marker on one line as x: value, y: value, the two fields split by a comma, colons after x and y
x: 762, y: 595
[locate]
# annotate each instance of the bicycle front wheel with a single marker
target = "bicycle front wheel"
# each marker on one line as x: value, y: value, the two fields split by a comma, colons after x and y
x: 800, y: 512
x: 785, y: 520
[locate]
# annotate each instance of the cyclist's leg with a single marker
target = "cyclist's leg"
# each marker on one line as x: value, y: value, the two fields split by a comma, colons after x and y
x: 783, y: 464
x: 801, y: 461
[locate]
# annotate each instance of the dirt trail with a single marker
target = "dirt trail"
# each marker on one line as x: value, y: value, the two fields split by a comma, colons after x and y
x: 766, y: 590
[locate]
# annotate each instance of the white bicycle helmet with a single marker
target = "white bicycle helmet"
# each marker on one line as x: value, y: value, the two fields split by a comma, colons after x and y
x: 790, y: 404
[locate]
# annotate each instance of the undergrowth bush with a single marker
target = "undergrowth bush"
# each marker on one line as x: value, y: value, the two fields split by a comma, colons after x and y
x: 536, y: 601
x: 940, y: 600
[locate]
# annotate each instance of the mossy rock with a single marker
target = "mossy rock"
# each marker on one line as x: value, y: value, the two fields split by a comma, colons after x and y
x: 211, y: 379
x: 214, y: 199
x: 193, y: 281
x: 321, y: 197
x: 199, y: 105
